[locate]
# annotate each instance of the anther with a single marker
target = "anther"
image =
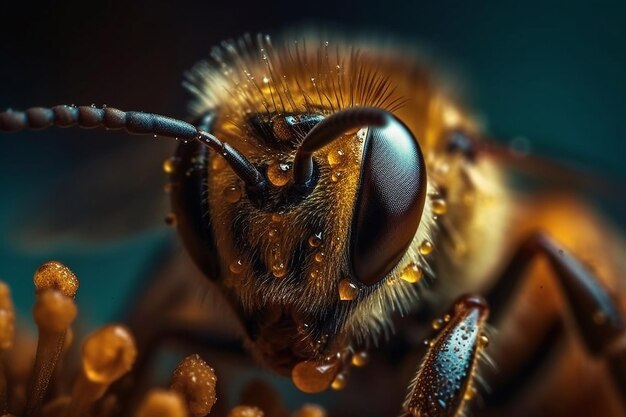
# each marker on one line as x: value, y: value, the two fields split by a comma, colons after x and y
x: 54, y: 312
x: 107, y: 355
x: 195, y: 380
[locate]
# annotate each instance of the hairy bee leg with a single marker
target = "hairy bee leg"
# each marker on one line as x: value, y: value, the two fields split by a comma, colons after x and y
x: 444, y: 381
x: 597, y: 316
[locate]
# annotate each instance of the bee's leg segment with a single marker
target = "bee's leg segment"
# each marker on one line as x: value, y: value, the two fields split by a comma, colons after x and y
x: 446, y: 376
x: 599, y: 319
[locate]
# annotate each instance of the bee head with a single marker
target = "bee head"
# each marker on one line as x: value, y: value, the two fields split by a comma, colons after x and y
x: 299, y: 252
x: 314, y: 233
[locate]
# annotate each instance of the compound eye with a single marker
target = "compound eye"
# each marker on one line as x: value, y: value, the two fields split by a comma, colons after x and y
x: 389, y: 202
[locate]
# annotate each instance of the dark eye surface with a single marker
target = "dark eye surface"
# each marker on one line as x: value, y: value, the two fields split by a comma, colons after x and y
x: 389, y: 203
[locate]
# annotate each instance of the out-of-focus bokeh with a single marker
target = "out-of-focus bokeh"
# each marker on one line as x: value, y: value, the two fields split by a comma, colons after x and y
x: 555, y: 74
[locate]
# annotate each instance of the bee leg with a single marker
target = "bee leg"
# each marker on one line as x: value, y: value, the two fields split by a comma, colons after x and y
x: 444, y: 382
x: 597, y: 316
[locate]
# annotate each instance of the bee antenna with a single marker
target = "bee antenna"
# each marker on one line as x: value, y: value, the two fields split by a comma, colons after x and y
x: 327, y: 131
x: 239, y: 163
x: 136, y: 123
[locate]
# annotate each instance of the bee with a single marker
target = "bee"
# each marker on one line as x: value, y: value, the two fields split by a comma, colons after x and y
x: 328, y: 187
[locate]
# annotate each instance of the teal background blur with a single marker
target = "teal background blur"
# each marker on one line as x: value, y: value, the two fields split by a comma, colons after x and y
x: 554, y: 72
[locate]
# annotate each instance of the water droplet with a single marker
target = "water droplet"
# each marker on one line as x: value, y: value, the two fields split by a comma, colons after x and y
x: 339, y: 382
x: 313, y: 377
x: 232, y: 194
x: 236, y: 267
x: 315, y: 274
x: 170, y: 219
x: 347, y: 290
x: 436, y: 324
x: 315, y: 240
x: 336, y: 176
x: 412, y: 273
x: 278, y: 173
x: 319, y: 256
x: 336, y: 158
x: 360, y: 359
x: 439, y: 206
x: 484, y: 341
x: 279, y: 270
x: 446, y: 318
x: 426, y: 248
x: 266, y: 80
x: 169, y: 165
x: 273, y: 232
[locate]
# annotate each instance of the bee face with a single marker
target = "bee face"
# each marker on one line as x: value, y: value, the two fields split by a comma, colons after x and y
x: 307, y: 266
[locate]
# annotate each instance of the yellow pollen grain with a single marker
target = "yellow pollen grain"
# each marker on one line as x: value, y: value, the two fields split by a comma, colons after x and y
x: 55, y: 275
